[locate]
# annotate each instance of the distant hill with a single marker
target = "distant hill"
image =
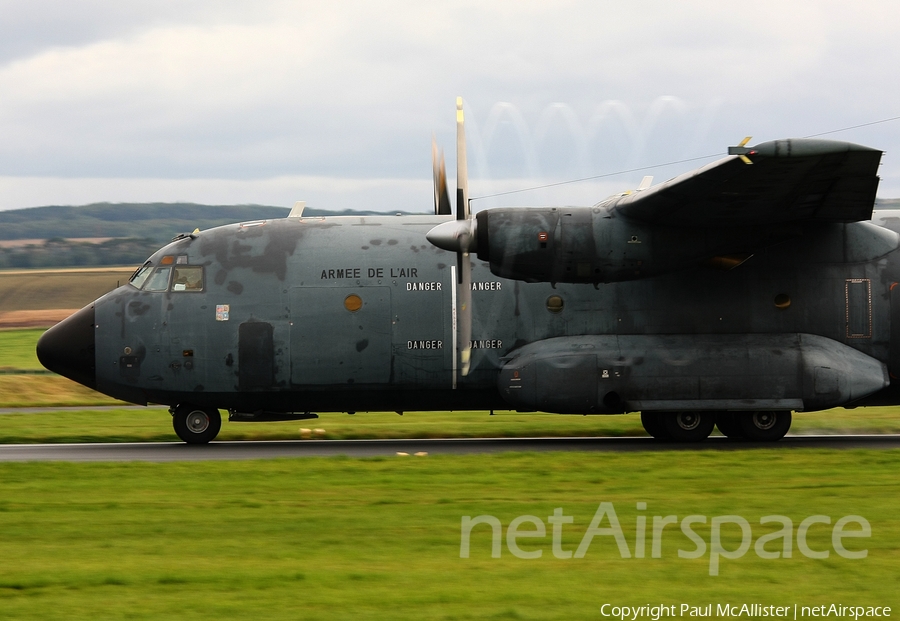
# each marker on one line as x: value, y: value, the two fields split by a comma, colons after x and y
x: 122, y: 233
x: 157, y: 221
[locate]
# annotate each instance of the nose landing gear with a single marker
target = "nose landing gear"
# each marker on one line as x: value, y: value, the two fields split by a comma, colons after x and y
x: 196, y: 425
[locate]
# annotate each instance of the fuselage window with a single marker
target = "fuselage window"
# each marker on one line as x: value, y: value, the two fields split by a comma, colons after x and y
x: 141, y: 275
x: 159, y: 281
x: 188, y: 278
x: 555, y: 304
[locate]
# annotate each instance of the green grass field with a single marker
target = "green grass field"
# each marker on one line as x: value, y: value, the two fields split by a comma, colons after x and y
x: 17, y: 349
x: 380, y: 538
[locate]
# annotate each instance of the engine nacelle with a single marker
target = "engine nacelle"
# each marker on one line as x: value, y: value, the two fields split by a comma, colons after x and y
x: 615, y: 374
x: 557, y: 244
x: 596, y: 244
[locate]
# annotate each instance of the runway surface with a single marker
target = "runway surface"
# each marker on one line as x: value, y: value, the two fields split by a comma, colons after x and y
x: 176, y: 451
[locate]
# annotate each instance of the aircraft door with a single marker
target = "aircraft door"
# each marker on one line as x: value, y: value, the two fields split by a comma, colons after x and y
x: 341, y: 335
x: 858, y: 300
x: 894, y: 362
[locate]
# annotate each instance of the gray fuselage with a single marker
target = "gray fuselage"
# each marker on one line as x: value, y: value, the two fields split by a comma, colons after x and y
x: 357, y: 313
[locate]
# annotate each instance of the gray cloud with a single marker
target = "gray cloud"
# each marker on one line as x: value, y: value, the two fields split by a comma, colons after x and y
x: 353, y: 91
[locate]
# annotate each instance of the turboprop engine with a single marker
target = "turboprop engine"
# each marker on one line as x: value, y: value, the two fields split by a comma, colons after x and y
x: 596, y: 245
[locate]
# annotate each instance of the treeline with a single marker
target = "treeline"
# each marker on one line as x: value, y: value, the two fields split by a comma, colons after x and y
x: 158, y: 221
x: 58, y: 252
x: 137, y: 230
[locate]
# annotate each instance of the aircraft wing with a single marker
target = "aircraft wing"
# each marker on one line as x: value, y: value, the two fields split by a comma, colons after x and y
x: 787, y: 181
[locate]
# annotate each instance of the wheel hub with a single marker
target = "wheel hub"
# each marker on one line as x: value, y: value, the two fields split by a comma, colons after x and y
x: 688, y: 420
x: 764, y: 420
x: 197, y: 422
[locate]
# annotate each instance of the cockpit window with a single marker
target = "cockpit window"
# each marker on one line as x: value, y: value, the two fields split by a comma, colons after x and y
x: 141, y: 275
x: 159, y: 281
x: 183, y: 277
x: 188, y: 278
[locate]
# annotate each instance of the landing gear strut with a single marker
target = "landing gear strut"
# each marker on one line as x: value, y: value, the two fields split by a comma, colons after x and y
x: 196, y: 425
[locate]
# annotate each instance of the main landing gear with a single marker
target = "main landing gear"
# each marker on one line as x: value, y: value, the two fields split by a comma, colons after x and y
x: 196, y: 425
x: 760, y: 426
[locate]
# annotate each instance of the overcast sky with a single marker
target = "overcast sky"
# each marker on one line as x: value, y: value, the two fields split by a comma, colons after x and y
x: 336, y: 103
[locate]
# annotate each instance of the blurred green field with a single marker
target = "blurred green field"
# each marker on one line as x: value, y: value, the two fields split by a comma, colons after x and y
x: 380, y: 538
x: 17, y: 353
x: 17, y: 349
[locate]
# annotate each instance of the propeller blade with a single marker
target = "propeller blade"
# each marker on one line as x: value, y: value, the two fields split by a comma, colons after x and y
x: 459, y: 236
x: 462, y: 170
x: 441, y: 195
x: 466, y: 239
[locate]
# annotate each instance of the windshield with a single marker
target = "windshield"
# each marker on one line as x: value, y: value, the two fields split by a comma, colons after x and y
x: 172, y: 271
x: 140, y: 275
x: 159, y: 281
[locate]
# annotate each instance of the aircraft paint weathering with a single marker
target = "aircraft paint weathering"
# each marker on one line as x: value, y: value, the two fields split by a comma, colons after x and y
x: 730, y: 296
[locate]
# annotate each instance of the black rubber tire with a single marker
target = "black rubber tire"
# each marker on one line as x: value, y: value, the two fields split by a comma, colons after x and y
x: 689, y: 426
x: 729, y: 424
x: 196, y: 425
x: 765, y: 426
x: 654, y: 425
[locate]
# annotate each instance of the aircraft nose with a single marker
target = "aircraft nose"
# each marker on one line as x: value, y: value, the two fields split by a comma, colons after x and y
x: 68, y: 348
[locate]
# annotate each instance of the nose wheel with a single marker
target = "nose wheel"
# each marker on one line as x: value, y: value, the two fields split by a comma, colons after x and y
x: 196, y: 425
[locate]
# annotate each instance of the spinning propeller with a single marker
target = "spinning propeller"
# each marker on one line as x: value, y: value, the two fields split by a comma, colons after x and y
x: 457, y: 235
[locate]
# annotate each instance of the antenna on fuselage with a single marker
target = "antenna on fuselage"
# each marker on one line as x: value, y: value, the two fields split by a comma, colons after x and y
x: 297, y: 210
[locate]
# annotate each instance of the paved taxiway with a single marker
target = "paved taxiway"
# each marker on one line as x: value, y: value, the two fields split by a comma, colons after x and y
x: 176, y: 451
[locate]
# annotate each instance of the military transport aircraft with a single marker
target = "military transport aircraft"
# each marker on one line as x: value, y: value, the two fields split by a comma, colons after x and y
x: 729, y: 296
